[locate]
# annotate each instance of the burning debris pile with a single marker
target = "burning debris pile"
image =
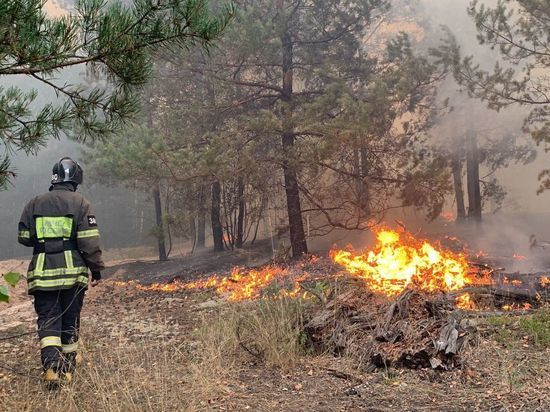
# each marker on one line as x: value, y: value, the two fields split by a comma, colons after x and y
x: 414, y: 311
x: 400, y: 261
x: 414, y: 329
x: 400, y: 319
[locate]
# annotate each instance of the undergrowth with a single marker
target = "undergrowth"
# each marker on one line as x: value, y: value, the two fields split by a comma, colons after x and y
x: 509, y: 330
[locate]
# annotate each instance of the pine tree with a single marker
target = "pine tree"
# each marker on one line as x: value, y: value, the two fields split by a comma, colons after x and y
x: 114, y: 41
x: 317, y: 97
x: 518, y: 30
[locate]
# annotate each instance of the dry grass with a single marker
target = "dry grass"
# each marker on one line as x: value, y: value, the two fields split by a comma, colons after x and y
x: 272, y: 330
x: 120, y: 377
x: 151, y: 374
x: 205, y: 367
x: 268, y: 330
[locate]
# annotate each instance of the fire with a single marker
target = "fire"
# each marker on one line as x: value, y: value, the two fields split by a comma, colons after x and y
x: 179, y: 285
x: 399, y: 260
x: 514, y: 282
x: 545, y: 281
x: 514, y: 306
x: 465, y: 302
x: 519, y: 257
x: 480, y: 254
x: 239, y: 285
x: 447, y: 216
x: 250, y: 284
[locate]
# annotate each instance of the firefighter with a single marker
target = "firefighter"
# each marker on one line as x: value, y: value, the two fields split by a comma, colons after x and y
x: 62, y: 228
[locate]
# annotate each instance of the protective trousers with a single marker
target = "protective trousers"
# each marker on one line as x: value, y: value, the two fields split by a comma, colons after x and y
x: 58, y: 326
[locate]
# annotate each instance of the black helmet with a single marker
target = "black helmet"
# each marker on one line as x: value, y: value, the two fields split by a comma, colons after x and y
x: 67, y: 170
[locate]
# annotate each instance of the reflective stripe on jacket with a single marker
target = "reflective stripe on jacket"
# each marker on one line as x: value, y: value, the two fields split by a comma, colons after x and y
x: 62, y: 228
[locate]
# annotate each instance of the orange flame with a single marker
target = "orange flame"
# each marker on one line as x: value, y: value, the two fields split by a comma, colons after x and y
x: 515, y: 282
x: 465, y: 302
x: 519, y: 257
x: 480, y: 254
x: 239, y: 285
x: 517, y: 306
x: 447, y: 216
x: 399, y: 261
x: 545, y: 281
x: 251, y: 284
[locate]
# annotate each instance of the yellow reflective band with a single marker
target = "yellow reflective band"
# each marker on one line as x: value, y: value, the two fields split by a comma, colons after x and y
x: 69, y: 259
x: 51, y: 283
x: 53, y: 227
x: 82, y: 234
x: 70, y: 348
x: 50, y: 341
x: 25, y: 234
x: 39, y: 265
x: 58, y: 272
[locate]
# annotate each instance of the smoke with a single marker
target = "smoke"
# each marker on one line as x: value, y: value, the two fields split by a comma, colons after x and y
x: 519, y: 181
x: 508, y: 240
x: 54, y: 8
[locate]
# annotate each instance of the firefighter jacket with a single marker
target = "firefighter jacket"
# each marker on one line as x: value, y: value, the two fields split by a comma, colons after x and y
x: 62, y: 229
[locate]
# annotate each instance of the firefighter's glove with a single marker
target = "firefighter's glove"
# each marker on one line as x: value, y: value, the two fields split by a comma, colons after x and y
x: 96, y: 277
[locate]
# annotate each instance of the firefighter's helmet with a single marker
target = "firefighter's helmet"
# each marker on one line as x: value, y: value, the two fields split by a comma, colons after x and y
x: 67, y: 170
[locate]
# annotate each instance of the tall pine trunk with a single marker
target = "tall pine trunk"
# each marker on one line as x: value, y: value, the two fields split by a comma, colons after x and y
x: 240, y: 217
x: 474, y: 189
x: 217, y: 228
x: 160, y: 225
x: 156, y: 194
x: 362, y: 187
x: 294, y: 207
x: 201, y: 219
x: 456, y: 166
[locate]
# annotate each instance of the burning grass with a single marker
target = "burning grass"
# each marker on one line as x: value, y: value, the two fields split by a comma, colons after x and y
x: 241, y: 284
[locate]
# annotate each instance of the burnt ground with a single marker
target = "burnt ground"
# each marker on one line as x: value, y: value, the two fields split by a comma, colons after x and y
x: 201, y: 263
x: 140, y: 348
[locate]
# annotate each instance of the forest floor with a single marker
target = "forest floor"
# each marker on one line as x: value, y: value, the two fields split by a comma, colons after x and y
x: 148, y: 350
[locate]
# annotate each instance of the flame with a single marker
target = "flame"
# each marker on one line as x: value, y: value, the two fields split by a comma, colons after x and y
x: 515, y: 282
x: 480, y: 254
x: 465, y: 302
x: 250, y: 284
x: 399, y: 261
x: 516, y: 306
x: 240, y: 285
x: 545, y: 281
x: 447, y: 216
x: 519, y: 257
